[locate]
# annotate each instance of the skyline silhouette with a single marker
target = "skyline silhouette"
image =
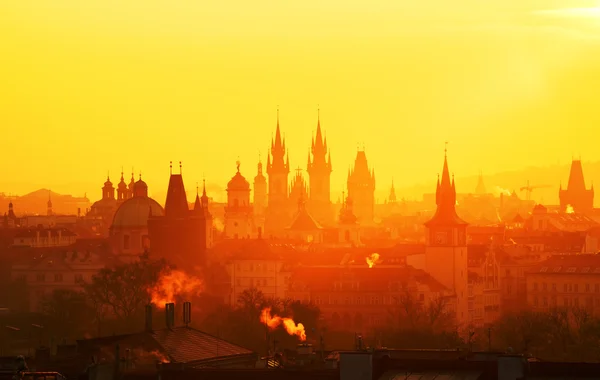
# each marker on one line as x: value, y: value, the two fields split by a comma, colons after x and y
x: 166, y: 82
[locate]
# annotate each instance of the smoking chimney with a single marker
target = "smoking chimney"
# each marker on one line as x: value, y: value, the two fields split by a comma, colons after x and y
x: 148, y: 317
x: 170, y: 315
x: 187, y: 313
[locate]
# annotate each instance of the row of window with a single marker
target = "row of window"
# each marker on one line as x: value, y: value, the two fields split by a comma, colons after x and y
x: 570, y: 288
x: 57, y: 277
x: 252, y: 267
x: 373, y: 300
x: 566, y: 301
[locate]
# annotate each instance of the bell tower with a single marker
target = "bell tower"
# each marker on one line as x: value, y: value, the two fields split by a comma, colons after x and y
x: 446, y: 244
x: 319, y: 172
x: 278, y: 168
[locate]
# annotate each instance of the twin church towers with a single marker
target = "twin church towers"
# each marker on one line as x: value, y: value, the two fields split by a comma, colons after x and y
x: 276, y: 201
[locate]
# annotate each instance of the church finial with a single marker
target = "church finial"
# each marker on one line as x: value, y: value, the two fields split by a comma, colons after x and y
x: 318, y: 113
x: 278, y: 114
x: 197, y: 189
x: 203, y: 186
x: 171, y: 167
x: 446, y: 149
x: 140, y: 175
x: 180, y: 167
x: 238, y: 164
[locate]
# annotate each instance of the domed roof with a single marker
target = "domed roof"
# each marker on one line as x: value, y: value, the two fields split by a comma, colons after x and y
x: 108, y: 183
x: 238, y: 182
x: 135, y: 211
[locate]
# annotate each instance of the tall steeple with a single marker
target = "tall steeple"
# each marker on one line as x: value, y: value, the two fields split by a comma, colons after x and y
x: 392, y: 197
x: 319, y: 172
x: 480, y: 189
x: 49, y: 209
x: 176, y: 205
x: 446, y: 199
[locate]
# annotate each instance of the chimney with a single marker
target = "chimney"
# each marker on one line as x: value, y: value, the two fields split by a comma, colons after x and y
x: 170, y: 315
x: 148, y: 317
x: 187, y: 313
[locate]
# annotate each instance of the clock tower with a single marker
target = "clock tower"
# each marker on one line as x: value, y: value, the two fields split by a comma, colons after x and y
x: 446, y: 238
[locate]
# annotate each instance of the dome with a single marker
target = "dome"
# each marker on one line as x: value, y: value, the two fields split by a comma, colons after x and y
x: 238, y: 182
x: 135, y: 211
x: 108, y: 183
x: 140, y: 189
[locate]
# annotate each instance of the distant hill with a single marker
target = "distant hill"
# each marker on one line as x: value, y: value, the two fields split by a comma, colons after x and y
x: 36, y: 202
x: 552, y: 176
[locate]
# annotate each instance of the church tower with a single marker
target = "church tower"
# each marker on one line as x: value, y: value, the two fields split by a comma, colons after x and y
x: 122, y: 191
x: 298, y: 188
x: 130, y: 189
x: 361, y: 189
x: 49, y: 209
x: 576, y: 195
x: 278, y: 168
x: 108, y: 191
x: 201, y: 210
x: 260, y: 198
x: 446, y: 244
x: 319, y: 172
x: 238, y: 212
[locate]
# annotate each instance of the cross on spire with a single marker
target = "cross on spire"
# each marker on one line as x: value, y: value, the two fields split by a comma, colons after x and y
x: 238, y: 164
x: 446, y: 148
x: 171, y: 167
x: 180, y: 166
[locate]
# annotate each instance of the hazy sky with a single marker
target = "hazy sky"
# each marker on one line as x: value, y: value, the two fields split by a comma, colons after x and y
x: 90, y: 86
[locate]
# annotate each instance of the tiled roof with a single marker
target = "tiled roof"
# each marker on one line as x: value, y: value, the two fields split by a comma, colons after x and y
x: 180, y: 344
x: 186, y: 345
x: 304, y: 222
x: 570, y: 264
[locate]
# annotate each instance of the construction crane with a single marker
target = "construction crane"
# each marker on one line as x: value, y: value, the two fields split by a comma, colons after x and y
x: 528, y: 189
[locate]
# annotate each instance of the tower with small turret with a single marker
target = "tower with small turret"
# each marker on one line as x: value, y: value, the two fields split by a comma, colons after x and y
x: 319, y: 172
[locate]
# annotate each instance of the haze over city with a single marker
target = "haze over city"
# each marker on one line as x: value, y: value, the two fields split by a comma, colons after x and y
x: 330, y: 190
x: 89, y: 89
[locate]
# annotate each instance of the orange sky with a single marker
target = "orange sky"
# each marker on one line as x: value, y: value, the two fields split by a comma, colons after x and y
x: 89, y: 86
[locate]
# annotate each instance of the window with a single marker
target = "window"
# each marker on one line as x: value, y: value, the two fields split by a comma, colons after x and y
x: 544, y: 286
x: 78, y: 278
x: 571, y: 270
x: 535, y: 301
x: 58, y: 277
x: 587, y: 287
x: 41, y: 277
x: 421, y: 297
x: 557, y: 269
x: 544, y: 269
x: 535, y: 286
x: 545, y: 301
x: 126, y: 241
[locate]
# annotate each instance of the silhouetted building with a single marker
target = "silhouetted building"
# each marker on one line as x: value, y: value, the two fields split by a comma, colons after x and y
x: 576, y: 195
x: 238, y: 212
x: 298, y: 188
x: 49, y: 205
x: 349, y: 229
x: 201, y: 208
x: 260, y: 199
x: 122, y: 191
x: 361, y: 189
x: 319, y: 171
x: 129, y: 229
x: 105, y: 208
x: 480, y: 189
x: 446, y: 238
x: 304, y: 228
x: 179, y: 235
x: 278, y: 209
